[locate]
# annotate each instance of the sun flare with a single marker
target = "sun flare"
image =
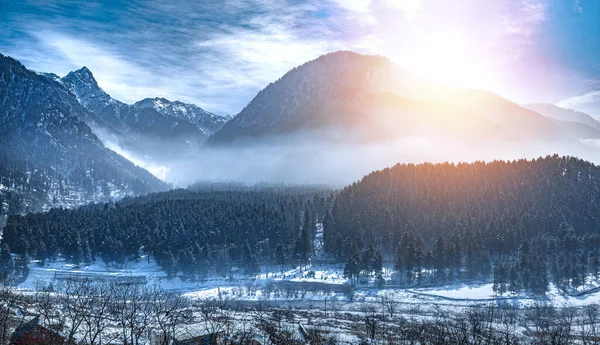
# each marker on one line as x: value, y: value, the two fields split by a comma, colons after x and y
x: 446, y: 58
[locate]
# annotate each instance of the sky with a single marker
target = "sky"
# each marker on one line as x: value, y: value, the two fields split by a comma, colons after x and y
x: 219, y: 54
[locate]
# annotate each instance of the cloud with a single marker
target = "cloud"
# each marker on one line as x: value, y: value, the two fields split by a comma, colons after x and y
x: 588, y: 103
x: 256, y: 57
x: 215, y: 54
x: 360, y: 6
x: 410, y: 7
x: 219, y: 53
x: 109, y: 68
x: 534, y: 10
x: 577, y: 6
x: 158, y: 170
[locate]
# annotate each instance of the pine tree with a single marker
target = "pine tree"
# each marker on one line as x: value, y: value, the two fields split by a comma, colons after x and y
x: 251, y: 265
x: 22, y: 266
x: 439, y: 255
x: 456, y: 250
x: 594, y: 265
x: 500, y: 279
x: 280, y: 255
x: 353, y: 268
x: 6, y: 262
x: 513, y: 279
x: 169, y: 263
x: 309, y: 223
x: 87, y: 253
x: 304, y: 246
x: 328, y: 233
x: 367, y: 260
x: 42, y: 252
x: 377, y: 263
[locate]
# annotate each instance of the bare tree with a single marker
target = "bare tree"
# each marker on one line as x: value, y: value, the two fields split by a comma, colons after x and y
x: 371, y: 319
x: 214, y: 319
x: 244, y: 331
x: 476, y: 319
x: 587, y: 324
x: 561, y: 327
x: 169, y: 311
x: 97, y: 320
x: 132, y: 312
x: 508, y: 324
x: 44, y: 305
x: 390, y: 304
x: 9, y: 301
x: 75, y: 298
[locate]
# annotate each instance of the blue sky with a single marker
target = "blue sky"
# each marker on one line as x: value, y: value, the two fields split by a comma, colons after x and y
x: 219, y: 54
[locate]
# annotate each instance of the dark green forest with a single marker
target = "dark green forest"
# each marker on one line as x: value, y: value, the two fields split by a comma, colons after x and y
x: 522, y: 223
x: 533, y: 221
x: 192, y: 231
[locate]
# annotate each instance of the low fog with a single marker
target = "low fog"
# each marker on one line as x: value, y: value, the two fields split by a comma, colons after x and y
x: 312, y: 158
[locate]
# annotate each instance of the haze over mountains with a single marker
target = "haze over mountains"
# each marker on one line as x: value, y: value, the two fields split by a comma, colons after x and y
x: 330, y: 120
x: 154, y: 129
x: 344, y: 90
x: 558, y: 113
x: 343, y: 108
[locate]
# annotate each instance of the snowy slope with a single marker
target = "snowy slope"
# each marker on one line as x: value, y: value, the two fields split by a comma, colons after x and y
x: 50, y: 155
x: 158, y: 117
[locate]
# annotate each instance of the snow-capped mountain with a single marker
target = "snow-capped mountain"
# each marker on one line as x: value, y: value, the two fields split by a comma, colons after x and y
x: 322, y: 94
x: 147, y: 125
x: 82, y: 84
x: 49, y: 155
x: 208, y: 122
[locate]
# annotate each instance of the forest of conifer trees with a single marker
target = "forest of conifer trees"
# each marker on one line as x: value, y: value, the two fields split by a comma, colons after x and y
x: 183, y: 230
x: 521, y: 224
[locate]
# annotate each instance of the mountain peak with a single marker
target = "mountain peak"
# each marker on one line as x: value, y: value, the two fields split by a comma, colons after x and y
x: 300, y: 97
x: 206, y: 121
x: 84, y: 75
x: 83, y: 85
x: 349, y: 54
x: 156, y: 102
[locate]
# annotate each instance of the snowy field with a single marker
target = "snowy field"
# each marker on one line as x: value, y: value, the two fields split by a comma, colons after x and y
x: 311, y: 283
x: 324, y: 302
x: 292, y: 285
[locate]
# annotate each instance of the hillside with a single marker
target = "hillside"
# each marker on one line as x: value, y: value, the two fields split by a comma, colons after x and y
x: 563, y: 114
x: 190, y: 231
x: 343, y: 93
x: 50, y: 156
x: 459, y: 219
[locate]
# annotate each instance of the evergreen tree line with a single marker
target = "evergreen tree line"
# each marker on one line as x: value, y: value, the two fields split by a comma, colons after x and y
x: 526, y: 222
x: 185, y: 231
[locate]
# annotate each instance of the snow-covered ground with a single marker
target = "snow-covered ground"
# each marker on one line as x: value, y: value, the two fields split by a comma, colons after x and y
x: 328, y: 303
x: 314, y: 282
x: 326, y: 284
x: 316, y: 296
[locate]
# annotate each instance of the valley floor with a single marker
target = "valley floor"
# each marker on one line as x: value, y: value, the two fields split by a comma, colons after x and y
x: 298, y: 284
x: 320, y: 298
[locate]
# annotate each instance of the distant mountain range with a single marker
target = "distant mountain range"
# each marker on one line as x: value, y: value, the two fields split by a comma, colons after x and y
x: 153, y: 127
x: 558, y: 113
x: 54, y: 131
x: 49, y: 155
x: 371, y: 97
